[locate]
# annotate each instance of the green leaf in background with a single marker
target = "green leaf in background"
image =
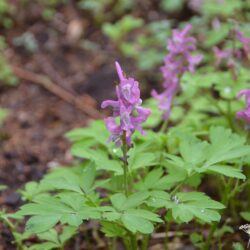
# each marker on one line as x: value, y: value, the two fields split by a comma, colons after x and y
x: 130, y: 215
x: 121, y: 202
x: 227, y: 171
x: 186, y: 206
x: 47, y: 211
x: 214, y: 157
x: 3, y: 115
x: 225, y: 146
x: 43, y: 246
x: 172, y: 5
x: 121, y: 28
x: 245, y: 215
x: 139, y: 220
x: 33, y: 189
x: 99, y: 156
x: 223, y: 8
x: 81, y: 182
x: 3, y: 187
x: 238, y: 246
x: 90, y: 133
x: 155, y: 180
x: 112, y: 230
x: 50, y: 235
x: 158, y: 199
x: 37, y: 224
x: 156, y: 116
x: 216, y: 36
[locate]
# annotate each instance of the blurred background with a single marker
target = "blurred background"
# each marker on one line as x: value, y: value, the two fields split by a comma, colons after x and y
x: 57, y: 65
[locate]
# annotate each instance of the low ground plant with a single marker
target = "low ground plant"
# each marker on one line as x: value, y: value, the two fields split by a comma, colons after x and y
x: 144, y: 172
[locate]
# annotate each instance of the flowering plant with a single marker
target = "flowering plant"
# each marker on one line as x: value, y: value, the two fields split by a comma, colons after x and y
x: 135, y: 184
x: 127, y: 105
x: 178, y: 61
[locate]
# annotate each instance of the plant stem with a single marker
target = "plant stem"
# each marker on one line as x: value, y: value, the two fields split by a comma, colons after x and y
x: 166, y: 237
x: 145, y: 242
x: 125, y: 163
x: 113, y: 244
x: 210, y: 236
x: 132, y: 238
x: 164, y: 126
x: 133, y: 242
x: 12, y: 228
x: 229, y: 115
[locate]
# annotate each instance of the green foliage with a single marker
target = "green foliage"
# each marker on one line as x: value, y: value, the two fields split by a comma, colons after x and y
x: 238, y: 246
x: 116, y: 32
x: 95, y: 6
x: 215, y: 156
x: 186, y: 206
x: 53, y: 239
x: 68, y: 195
x: 126, y: 212
x: 3, y: 187
x: 6, y: 10
x: 3, y: 114
x: 6, y: 75
x: 98, y: 8
x: 225, y: 8
x: 171, y: 5
x: 146, y: 46
x: 164, y: 179
x: 245, y: 215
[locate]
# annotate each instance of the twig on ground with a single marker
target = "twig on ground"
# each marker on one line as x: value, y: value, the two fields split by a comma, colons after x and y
x: 57, y: 90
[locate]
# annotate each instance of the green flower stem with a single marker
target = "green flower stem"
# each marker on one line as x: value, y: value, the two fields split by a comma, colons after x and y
x: 113, y: 244
x: 230, y: 116
x: 210, y: 236
x: 125, y: 163
x: 125, y: 147
x: 133, y: 242
x: 166, y: 237
x: 145, y: 242
x: 164, y: 126
x: 168, y: 223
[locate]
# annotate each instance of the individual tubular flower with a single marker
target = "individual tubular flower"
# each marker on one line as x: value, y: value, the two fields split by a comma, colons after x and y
x: 244, y: 114
x: 245, y: 42
x: 127, y: 108
x: 221, y: 55
x: 178, y: 61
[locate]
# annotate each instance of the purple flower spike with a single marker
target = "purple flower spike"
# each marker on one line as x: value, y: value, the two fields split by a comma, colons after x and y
x: 244, y: 114
x: 127, y: 109
x: 177, y: 62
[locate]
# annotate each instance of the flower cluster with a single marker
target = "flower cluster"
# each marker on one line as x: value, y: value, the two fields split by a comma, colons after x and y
x: 221, y: 55
x: 245, y: 114
x: 245, y: 43
x: 229, y: 54
x: 127, y: 108
x: 178, y: 61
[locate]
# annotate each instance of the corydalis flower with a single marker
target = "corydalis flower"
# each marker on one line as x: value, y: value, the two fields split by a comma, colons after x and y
x: 228, y: 55
x: 244, y: 114
x: 178, y: 61
x: 221, y: 55
x: 127, y: 108
x: 245, y: 42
